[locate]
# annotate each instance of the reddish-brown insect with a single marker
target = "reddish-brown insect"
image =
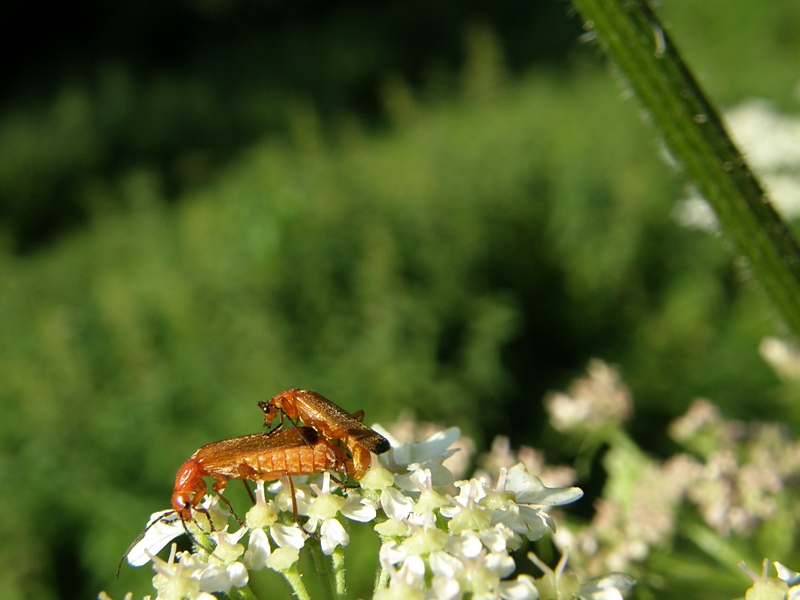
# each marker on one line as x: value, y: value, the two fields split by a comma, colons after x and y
x: 331, y: 422
x: 257, y: 457
x: 261, y: 456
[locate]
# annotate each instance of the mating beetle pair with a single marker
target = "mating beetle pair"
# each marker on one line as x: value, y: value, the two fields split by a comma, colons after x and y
x: 282, y: 452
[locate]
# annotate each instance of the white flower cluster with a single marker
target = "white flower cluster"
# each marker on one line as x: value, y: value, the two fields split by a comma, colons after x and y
x: 744, y: 472
x: 592, y: 402
x: 194, y: 575
x: 434, y: 544
x: 440, y: 546
x: 737, y: 477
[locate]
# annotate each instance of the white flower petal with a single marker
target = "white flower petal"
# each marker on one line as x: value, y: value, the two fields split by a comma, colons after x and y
x: 445, y: 588
x: 357, y: 509
x: 607, y: 587
x: 333, y: 534
x: 501, y: 563
x: 528, y: 521
x: 413, y: 572
x: 288, y: 536
x: 418, y: 518
x: 440, y: 475
x: 283, y: 558
x: 302, y: 497
x: 395, y: 504
x: 468, y: 545
x: 420, y: 476
x: 420, y: 452
x: 392, y: 528
x: 222, y: 537
x: 790, y: 577
x: 436, y: 474
x: 214, y: 578
x: 227, y: 549
x: 521, y: 588
x: 530, y: 490
x: 405, y: 483
x: 449, y: 512
x: 193, y: 562
x: 470, y: 490
x: 445, y: 565
x: 168, y: 527
x: 495, y: 538
x: 238, y: 575
x: 258, y: 550
x: 391, y: 554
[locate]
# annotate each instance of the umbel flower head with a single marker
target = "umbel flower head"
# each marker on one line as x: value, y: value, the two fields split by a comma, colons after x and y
x: 439, y: 538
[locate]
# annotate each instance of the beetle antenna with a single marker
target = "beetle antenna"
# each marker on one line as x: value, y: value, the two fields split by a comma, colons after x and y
x: 139, y: 538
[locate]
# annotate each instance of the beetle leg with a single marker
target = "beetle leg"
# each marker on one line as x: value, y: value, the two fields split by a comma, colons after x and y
x: 294, y: 510
x: 219, y: 486
x: 204, y: 511
x: 249, y: 491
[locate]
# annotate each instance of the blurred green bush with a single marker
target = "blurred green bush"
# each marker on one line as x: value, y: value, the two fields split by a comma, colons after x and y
x: 459, y: 261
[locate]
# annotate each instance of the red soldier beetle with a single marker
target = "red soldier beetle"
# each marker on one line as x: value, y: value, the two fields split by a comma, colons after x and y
x: 331, y: 422
x: 261, y: 456
x: 256, y: 457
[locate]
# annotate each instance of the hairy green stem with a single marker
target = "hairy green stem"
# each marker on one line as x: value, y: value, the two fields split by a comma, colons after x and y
x: 381, y: 580
x: 244, y: 593
x: 295, y: 581
x: 340, y: 586
x: 635, y: 40
x: 324, y: 572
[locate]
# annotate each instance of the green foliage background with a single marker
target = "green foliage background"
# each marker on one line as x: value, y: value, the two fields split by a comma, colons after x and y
x: 180, y: 245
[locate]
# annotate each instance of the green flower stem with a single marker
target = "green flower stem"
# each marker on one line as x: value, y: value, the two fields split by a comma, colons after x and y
x: 381, y: 580
x: 244, y: 593
x: 340, y: 585
x: 324, y: 572
x: 632, y: 36
x: 295, y: 581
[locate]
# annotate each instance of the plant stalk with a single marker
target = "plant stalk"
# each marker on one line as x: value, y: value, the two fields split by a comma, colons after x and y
x: 634, y: 39
x: 324, y: 572
x: 295, y: 581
